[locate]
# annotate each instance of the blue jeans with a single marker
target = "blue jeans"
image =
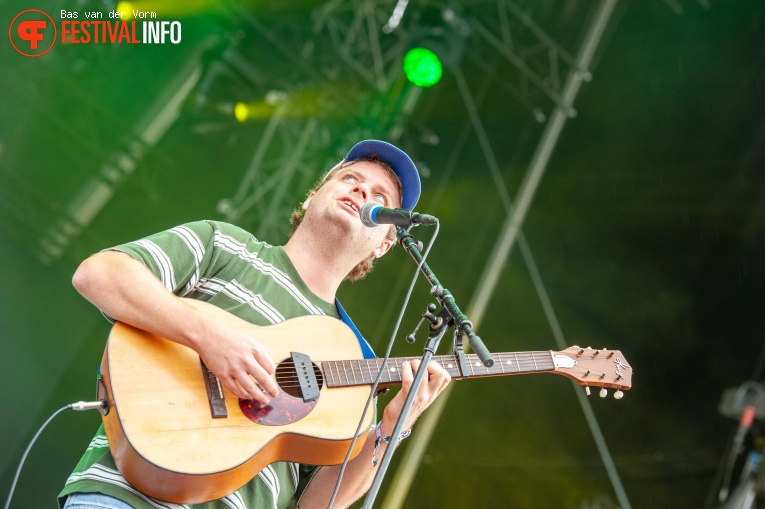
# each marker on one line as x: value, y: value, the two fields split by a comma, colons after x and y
x: 94, y: 501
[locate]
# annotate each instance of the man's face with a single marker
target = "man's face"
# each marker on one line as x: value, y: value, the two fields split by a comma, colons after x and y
x: 339, y: 200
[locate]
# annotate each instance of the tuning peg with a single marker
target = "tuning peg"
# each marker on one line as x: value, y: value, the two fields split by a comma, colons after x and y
x: 603, y: 392
x: 587, y: 389
x: 618, y: 394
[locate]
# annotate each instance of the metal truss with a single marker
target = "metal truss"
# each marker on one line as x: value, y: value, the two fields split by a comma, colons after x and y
x: 541, y: 63
x: 346, y: 60
x: 351, y: 55
x: 356, y: 92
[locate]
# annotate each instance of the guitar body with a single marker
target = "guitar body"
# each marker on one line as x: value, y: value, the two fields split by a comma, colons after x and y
x: 167, y: 444
x: 177, y: 436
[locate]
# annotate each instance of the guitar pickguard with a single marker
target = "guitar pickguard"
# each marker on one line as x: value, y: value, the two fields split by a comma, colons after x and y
x: 289, y: 406
x: 283, y: 409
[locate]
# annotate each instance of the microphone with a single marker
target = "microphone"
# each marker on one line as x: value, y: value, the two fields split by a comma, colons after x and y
x: 372, y: 214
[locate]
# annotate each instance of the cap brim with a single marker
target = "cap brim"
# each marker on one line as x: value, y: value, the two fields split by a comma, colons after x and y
x: 397, y: 159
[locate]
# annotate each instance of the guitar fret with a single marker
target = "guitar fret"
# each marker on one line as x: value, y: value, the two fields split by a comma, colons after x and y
x: 347, y: 380
x: 349, y: 364
x: 361, y: 371
x: 354, y: 365
x: 394, y: 371
x: 363, y: 375
x: 391, y: 364
x: 534, y: 360
x: 339, y: 374
x: 454, y: 370
x: 327, y: 372
x: 336, y: 380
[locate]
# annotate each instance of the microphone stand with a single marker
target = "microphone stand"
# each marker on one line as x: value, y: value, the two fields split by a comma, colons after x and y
x: 450, y: 315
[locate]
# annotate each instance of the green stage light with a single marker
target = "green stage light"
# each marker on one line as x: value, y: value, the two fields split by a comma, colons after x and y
x: 422, y: 67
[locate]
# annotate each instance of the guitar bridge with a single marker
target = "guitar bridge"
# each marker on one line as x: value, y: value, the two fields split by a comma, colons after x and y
x: 214, y: 393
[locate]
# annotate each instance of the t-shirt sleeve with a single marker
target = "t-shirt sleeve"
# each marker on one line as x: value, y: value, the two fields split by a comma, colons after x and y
x: 177, y: 256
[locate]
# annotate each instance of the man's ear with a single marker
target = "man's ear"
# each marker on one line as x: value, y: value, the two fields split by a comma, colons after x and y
x: 382, y: 248
x: 304, y: 206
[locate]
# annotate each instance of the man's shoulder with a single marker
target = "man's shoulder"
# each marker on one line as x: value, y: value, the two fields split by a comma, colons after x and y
x: 227, y: 229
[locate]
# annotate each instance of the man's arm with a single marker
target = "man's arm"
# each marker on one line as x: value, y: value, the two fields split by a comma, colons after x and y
x: 360, y: 472
x: 127, y: 291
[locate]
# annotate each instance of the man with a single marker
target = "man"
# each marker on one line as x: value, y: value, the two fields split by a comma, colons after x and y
x: 175, y: 283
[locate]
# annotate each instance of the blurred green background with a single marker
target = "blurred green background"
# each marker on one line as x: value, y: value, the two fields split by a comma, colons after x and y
x: 645, y: 233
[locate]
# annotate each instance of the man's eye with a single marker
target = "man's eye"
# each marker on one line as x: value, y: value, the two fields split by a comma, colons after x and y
x: 380, y: 199
x: 350, y: 178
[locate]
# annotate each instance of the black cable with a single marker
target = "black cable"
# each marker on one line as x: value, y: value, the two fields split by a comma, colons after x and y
x: 79, y: 406
x: 382, y: 367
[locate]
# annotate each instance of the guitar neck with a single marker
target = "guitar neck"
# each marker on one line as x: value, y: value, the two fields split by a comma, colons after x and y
x: 364, y: 371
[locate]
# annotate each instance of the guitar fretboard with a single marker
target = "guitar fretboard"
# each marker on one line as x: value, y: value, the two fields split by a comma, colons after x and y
x: 364, y: 371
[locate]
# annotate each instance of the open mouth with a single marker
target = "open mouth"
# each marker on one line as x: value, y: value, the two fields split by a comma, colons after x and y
x: 350, y: 204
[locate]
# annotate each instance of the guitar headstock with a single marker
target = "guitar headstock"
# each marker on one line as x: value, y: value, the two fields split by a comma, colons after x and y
x: 594, y: 368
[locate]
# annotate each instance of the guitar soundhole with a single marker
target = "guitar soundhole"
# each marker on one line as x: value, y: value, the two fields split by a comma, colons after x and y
x: 288, y: 406
x: 287, y: 378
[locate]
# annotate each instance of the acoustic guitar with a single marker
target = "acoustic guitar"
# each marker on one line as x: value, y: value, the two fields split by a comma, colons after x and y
x: 178, y: 436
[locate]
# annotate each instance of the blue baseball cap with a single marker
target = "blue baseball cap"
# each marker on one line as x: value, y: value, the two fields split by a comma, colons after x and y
x: 398, y: 160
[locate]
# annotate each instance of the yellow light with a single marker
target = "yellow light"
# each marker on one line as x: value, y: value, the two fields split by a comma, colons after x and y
x: 240, y: 112
x: 255, y: 110
x: 126, y: 9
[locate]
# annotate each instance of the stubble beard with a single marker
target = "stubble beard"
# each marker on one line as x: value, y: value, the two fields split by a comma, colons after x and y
x: 334, y: 234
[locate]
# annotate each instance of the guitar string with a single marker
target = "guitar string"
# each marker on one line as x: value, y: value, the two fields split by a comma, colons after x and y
x: 357, y: 368
x: 522, y: 366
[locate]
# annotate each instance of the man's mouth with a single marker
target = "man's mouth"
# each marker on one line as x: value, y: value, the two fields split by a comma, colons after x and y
x: 350, y: 204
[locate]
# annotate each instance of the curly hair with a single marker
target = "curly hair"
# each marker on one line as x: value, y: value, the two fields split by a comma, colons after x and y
x: 366, y: 265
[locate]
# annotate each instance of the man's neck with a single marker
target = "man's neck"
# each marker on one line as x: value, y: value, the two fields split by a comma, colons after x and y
x: 319, y: 262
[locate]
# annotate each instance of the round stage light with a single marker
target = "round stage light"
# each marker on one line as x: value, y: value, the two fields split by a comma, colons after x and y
x: 422, y: 67
x: 241, y: 112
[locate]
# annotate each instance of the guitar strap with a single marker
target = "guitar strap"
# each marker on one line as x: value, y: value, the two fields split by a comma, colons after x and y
x: 365, y: 348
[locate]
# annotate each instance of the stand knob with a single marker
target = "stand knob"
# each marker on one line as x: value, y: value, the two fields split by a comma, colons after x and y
x: 428, y: 314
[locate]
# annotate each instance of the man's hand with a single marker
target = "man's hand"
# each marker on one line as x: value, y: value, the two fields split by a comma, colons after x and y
x: 127, y: 291
x: 360, y: 471
x: 235, y: 357
x: 432, y: 384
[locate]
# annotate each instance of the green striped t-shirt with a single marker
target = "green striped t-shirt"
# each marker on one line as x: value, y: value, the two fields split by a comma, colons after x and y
x: 226, y: 266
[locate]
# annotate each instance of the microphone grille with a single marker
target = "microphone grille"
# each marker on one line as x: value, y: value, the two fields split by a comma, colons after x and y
x: 366, y: 214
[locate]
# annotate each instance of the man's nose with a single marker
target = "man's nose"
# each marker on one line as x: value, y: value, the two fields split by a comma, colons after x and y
x: 362, y: 190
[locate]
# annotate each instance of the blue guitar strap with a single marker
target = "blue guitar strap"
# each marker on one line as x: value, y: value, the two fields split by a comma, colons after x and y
x: 365, y: 348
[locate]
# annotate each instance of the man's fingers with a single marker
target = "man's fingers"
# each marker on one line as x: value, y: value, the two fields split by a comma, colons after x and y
x: 232, y: 385
x: 264, y: 360
x: 253, y: 390
x: 436, y: 380
x: 264, y: 379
